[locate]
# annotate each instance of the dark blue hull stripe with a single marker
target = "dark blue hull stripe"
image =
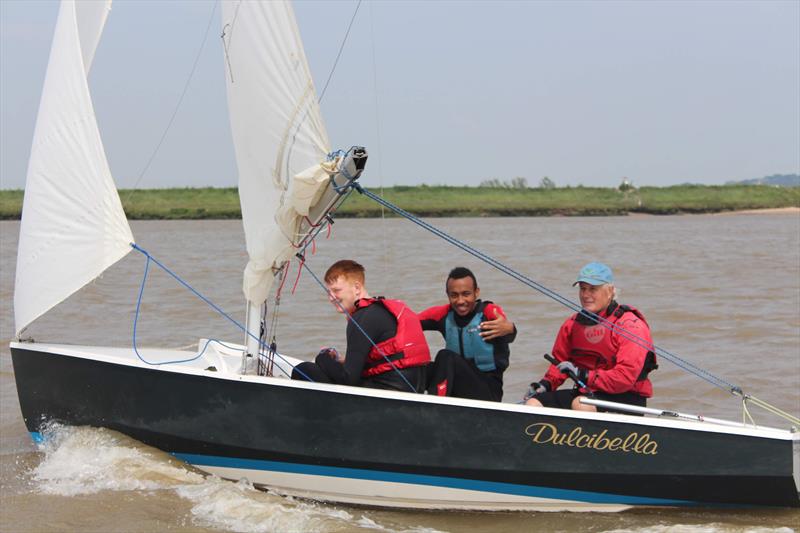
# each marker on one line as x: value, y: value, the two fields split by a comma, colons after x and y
x: 435, y: 481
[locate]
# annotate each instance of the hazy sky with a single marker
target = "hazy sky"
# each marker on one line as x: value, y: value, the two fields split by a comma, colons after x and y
x: 449, y: 92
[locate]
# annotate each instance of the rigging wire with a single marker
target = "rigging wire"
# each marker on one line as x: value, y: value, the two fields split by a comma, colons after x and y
x: 378, y: 138
x: 178, y: 105
x: 338, y: 55
x: 673, y: 358
x: 686, y: 365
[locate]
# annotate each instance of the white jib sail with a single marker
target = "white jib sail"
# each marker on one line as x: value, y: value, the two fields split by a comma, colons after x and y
x: 278, y: 131
x: 73, y: 226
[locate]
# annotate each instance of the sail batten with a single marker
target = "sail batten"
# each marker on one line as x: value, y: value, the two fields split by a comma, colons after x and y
x: 73, y: 225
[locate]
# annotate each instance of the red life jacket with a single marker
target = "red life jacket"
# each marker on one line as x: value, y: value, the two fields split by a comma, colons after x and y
x: 406, y: 349
x: 592, y: 346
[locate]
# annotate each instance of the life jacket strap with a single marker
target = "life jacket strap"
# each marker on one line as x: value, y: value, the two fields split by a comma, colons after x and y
x: 373, y: 363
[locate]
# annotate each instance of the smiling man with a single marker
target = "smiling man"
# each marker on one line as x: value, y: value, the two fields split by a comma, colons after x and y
x: 611, y: 365
x: 386, y: 348
x: 476, y: 333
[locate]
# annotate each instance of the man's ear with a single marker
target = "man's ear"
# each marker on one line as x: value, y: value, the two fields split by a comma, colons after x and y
x: 477, y: 293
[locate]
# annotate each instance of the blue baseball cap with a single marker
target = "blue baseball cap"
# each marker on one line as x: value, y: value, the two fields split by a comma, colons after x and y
x: 595, y: 274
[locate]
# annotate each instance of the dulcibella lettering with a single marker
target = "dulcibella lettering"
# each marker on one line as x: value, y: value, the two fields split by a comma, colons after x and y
x: 544, y: 433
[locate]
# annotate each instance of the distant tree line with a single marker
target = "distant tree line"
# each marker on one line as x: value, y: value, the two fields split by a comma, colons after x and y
x: 516, y: 183
x: 778, y: 180
x: 626, y: 185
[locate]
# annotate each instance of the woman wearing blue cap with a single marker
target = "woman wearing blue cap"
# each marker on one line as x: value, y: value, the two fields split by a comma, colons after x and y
x: 606, y: 346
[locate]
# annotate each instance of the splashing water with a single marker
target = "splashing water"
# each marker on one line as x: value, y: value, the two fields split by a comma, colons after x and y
x: 83, y: 460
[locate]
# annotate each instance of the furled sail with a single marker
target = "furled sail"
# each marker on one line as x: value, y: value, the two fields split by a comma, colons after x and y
x: 73, y: 226
x: 278, y: 133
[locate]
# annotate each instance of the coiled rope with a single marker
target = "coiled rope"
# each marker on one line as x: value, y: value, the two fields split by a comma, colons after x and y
x: 208, y: 302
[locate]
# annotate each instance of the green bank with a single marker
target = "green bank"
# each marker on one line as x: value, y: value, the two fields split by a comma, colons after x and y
x: 436, y: 201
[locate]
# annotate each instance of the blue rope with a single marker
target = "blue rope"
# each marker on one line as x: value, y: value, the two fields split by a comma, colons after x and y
x: 353, y: 320
x: 678, y: 361
x: 204, y: 299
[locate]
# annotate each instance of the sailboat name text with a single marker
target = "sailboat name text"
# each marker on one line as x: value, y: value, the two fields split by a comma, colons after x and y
x: 544, y: 433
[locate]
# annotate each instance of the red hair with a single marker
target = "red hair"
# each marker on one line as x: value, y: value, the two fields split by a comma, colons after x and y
x: 348, y: 268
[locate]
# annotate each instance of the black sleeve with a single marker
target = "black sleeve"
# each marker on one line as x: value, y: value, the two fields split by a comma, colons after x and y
x: 433, y: 325
x: 379, y: 324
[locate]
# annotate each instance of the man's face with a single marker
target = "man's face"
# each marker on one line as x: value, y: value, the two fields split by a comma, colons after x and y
x: 345, y: 292
x: 463, y: 295
x: 595, y: 298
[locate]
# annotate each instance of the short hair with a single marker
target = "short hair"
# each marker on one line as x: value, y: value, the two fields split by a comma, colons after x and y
x: 461, y: 272
x: 347, y: 268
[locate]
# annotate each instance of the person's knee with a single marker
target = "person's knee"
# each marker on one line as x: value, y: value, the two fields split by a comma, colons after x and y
x: 534, y: 402
x: 578, y: 406
x: 302, y: 371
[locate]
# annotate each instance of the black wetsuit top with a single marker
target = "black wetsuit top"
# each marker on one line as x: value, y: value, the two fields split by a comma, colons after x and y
x: 379, y: 324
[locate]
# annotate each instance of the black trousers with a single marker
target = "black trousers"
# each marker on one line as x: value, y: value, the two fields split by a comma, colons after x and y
x: 391, y: 380
x: 562, y: 399
x: 453, y: 375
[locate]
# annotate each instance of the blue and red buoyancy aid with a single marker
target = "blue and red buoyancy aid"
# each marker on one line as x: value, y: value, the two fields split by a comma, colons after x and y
x: 406, y: 349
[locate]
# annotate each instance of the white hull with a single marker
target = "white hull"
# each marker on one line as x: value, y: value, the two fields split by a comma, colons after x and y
x: 401, y: 495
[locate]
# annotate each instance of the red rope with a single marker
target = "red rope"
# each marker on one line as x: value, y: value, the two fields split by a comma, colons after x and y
x: 283, y: 280
x: 299, y: 271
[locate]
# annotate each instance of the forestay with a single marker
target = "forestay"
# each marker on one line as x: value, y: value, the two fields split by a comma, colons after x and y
x: 73, y: 226
x: 279, y: 137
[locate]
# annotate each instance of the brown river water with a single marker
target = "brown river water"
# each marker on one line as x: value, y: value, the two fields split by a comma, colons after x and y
x: 721, y: 291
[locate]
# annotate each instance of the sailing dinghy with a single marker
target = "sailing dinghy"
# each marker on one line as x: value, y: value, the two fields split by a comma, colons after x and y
x: 427, y: 454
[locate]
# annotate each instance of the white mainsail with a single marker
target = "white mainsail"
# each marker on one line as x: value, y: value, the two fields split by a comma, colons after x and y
x: 73, y: 226
x: 278, y: 132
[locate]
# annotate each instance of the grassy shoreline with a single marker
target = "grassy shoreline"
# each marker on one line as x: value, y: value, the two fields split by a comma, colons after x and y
x: 447, y: 201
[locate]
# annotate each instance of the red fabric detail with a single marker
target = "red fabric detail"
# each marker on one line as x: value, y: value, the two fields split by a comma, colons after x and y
x: 441, y: 388
x: 435, y: 313
x: 492, y: 311
x: 614, y: 362
x: 410, y: 340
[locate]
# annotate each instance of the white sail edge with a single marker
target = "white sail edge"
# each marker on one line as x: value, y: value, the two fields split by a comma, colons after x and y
x: 279, y: 135
x: 91, y: 18
x: 73, y: 226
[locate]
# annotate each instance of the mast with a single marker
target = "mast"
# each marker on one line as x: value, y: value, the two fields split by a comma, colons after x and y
x: 255, y: 336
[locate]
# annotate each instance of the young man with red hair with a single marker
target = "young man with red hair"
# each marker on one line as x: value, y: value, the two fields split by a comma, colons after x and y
x: 386, y: 348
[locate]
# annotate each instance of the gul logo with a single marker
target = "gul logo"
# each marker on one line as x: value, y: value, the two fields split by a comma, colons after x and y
x: 594, y: 334
x: 544, y: 433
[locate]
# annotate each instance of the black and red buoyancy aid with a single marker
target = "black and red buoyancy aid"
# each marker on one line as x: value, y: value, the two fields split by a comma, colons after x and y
x: 406, y: 349
x: 592, y: 344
